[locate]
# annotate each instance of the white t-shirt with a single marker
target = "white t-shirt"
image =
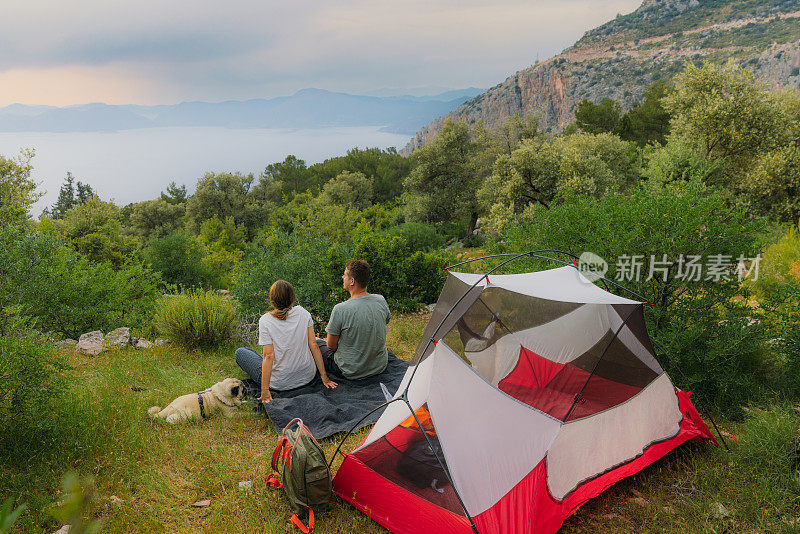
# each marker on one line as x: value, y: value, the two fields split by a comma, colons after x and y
x: 294, y: 366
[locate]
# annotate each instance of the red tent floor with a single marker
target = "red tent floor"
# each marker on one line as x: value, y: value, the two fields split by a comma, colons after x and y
x: 528, y: 507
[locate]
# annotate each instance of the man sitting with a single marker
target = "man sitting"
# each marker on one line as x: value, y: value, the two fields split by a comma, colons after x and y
x: 357, y: 329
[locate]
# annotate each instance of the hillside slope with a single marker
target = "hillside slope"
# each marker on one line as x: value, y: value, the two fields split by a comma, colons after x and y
x: 621, y: 58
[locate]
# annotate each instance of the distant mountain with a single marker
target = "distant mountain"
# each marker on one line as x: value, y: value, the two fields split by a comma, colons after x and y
x: 623, y: 57
x: 430, y: 92
x: 308, y: 108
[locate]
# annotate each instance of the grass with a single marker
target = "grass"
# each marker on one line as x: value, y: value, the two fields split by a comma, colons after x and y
x: 157, y: 471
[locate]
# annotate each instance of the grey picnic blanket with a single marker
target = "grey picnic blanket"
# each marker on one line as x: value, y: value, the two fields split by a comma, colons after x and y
x: 329, y: 411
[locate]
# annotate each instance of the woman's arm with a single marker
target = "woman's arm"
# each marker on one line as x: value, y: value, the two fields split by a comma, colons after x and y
x: 266, y: 372
x: 314, y: 348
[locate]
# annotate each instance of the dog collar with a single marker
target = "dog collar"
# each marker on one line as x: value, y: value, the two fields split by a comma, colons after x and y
x: 200, y: 401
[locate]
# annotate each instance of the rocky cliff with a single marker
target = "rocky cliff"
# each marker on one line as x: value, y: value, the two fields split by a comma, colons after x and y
x: 623, y: 57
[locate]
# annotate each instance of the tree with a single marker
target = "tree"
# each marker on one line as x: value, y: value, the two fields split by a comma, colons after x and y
x: 93, y: 229
x: 174, y: 194
x: 442, y: 184
x: 70, y: 195
x: 726, y: 113
x: 17, y: 189
x: 220, y: 194
x: 348, y: 189
x: 385, y: 169
x: 156, y: 218
x: 773, y: 188
x: 178, y: 258
x: 83, y: 192
x: 66, y: 197
x: 292, y: 174
x: 598, y: 118
x: 515, y: 130
x: 542, y: 172
x: 647, y: 122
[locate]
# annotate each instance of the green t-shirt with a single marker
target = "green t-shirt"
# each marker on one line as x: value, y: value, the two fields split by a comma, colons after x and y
x: 360, y: 323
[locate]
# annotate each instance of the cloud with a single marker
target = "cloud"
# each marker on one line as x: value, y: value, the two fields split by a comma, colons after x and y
x: 162, y: 52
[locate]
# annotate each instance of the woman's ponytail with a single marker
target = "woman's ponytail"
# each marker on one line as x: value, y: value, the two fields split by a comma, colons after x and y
x: 281, y: 296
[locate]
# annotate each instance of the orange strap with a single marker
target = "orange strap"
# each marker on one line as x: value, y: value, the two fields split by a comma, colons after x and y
x: 275, y: 480
x: 282, y: 442
x: 299, y: 524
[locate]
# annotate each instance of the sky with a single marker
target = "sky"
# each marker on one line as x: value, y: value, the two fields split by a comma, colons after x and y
x: 164, y: 52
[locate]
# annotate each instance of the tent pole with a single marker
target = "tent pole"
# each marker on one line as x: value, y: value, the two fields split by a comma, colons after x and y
x: 441, y: 463
x: 573, y: 256
x: 432, y: 339
x: 597, y: 364
x: 705, y: 413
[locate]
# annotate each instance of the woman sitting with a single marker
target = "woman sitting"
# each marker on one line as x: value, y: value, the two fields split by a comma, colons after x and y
x: 290, y: 355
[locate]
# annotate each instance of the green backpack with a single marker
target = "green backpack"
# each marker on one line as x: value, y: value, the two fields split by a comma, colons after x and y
x: 305, y: 478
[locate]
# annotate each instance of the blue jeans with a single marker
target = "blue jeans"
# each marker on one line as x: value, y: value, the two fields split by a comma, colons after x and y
x: 250, y: 361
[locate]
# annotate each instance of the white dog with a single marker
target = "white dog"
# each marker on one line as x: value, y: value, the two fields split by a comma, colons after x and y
x: 222, y: 397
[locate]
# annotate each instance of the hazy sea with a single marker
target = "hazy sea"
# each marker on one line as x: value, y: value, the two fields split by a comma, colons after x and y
x: 133, y: 165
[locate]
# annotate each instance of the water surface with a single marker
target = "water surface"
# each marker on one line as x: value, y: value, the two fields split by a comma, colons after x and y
x: 133, y: 165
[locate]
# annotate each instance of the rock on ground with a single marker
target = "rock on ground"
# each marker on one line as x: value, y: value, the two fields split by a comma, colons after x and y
x: 91, y: 343
x: 118, y: 338
x: 143, y: 344
x: 161, y: 341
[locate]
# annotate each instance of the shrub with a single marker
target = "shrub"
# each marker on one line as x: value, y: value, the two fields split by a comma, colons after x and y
x: 782, y: 314
x: 312, y: 266
x: 197, y: 319
x: 180, y: 259
x: 30, y: 383
x: 419, y: 236
x: 406, y: 280
x: 65, y: 292
x: 780, y: 265
x: 45, y: 421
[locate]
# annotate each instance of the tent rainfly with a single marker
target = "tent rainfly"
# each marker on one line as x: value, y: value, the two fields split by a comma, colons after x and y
x: 530, y: 395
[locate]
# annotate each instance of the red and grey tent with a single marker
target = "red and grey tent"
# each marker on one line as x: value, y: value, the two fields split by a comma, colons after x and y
x: 530, y: 394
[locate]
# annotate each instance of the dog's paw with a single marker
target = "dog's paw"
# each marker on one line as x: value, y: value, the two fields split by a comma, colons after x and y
x: 153, y: 410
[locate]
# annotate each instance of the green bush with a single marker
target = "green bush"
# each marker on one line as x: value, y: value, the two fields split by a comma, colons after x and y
x: 65, y: 292
x: 782, y: 314
x: 312, y: 266
x: 780, y: 265
x: 419, y: 236
x: 43, y: 420
x: 406, y: 280
x: 197, y: 319
x: 30, y: 384
x: 181, y: 260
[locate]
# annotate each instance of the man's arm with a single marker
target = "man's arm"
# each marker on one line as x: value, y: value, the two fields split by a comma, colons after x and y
x: 334, y: 325
x: 266, y: 372
x: 332, y: 342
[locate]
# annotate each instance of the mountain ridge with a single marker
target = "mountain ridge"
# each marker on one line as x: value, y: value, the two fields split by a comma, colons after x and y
x: 306, y: 108
x: 621, y: 58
